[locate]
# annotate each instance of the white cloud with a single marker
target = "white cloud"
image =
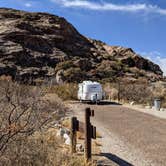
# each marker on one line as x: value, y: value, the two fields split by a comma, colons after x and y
x: 162, y: 63
x: 28, y: 4
x: 111, y: 7
x: 157, y: 58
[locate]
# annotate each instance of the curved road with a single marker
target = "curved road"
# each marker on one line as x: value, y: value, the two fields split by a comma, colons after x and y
x: 129, y: 137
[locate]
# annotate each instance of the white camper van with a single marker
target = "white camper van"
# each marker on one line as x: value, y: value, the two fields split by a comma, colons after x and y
x: 90, y: 91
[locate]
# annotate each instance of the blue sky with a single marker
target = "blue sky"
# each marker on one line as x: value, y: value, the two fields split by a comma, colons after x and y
x: 139, y: 24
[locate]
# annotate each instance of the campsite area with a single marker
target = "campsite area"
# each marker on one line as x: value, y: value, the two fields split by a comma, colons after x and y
x: 128, y: 137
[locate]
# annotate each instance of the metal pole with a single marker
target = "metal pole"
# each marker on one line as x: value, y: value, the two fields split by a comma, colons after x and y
x: 87, y: 135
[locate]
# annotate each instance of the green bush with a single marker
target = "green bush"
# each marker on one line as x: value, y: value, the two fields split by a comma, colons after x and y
x: 64, y: 65
x: 74, y: 75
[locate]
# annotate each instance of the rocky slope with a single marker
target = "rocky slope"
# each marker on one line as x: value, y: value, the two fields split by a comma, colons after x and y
x: 37, y: 46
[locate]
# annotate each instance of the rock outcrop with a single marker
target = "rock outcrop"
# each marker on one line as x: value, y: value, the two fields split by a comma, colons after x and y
x: 37, y: 46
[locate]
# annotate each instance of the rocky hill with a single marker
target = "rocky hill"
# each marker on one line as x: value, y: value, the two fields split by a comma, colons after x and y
x: 39, y: 46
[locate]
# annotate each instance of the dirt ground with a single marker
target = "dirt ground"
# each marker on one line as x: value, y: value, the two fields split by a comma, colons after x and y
x: 129, y: 137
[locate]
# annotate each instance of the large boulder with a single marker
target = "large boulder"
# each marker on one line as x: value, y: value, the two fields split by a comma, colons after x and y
x: 60, y: 77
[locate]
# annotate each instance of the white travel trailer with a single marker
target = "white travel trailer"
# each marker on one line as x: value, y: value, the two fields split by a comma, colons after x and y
x: 90, y: 91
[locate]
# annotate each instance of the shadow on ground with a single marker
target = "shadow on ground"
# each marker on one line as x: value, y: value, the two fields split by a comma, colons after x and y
x: 113, y: 158
x: 104, y: 103
x: 93, y: 103
x: 109, y: 103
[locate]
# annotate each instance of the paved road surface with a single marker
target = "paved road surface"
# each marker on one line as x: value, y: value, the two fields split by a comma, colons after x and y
x: 129, y: 137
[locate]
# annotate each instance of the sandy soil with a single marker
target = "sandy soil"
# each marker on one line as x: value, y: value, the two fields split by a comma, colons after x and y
x: 129, y: 137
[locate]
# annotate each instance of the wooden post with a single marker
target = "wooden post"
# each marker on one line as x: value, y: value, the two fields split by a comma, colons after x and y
x: 119, y: 91
x: 90, y: 132
x: 87, y: 135
x: 73, y: 134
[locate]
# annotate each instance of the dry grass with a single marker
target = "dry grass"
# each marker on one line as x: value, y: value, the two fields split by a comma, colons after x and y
x: 66, y: 91
x: 80, y: 136
x: 27, y: 133
x: 44, y: 149
x: 97, y: 143
x: 98, y: 135
x: 66, y: 123
x: 140, y: 93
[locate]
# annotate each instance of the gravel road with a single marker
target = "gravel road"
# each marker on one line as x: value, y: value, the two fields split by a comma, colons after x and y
x: 129, y: 137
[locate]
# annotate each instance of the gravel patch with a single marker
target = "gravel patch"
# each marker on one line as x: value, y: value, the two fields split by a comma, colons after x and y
x: 129, y: 137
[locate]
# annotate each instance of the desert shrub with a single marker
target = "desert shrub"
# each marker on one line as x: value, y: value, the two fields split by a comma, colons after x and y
x: 24, y: 111
x: 127, y: 92
x: 74, y: 75
x: 105, y: 74
x: 111, y: 92
x: 159, y: 92
x: 42, y: 148
x: 140, y: 93
x: 119, y: 65
x: 66, y: 91
x: 64, y: 65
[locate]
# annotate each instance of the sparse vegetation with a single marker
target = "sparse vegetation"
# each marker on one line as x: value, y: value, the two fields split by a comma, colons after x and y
x: 64, y: 65
x: 140, y: 93
x: 74, y: 75
x: 66, y: 91
x: 159, y: 92
x: 27, y: 136
x: 42, y: 148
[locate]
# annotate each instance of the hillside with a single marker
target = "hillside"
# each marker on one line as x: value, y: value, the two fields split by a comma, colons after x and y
x: 39, y: 46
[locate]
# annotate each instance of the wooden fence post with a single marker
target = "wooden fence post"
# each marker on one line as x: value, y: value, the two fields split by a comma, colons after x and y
x: 88, y: 134
x: 73, y: 134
